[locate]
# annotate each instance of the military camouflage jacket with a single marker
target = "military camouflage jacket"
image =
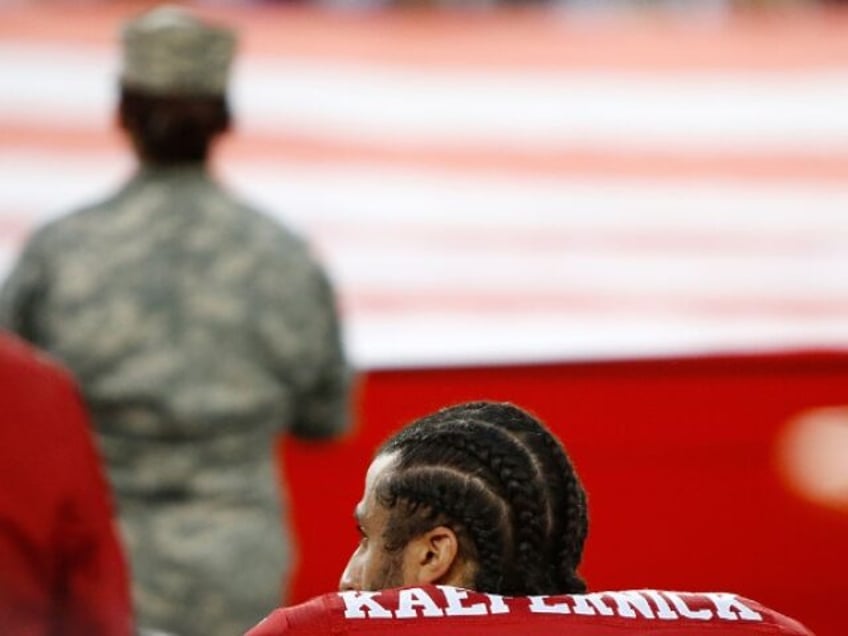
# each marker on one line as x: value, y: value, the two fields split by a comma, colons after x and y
x: 196, y: 326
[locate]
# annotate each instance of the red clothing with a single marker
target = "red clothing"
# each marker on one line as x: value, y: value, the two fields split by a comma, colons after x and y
x: 62, y: 571
x: 450, y: 611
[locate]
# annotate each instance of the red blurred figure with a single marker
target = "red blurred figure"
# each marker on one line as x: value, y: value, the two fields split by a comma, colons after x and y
x: 62, y: 570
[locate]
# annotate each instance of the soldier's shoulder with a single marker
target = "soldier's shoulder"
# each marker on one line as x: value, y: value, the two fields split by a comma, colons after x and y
x: 275, y: 232
x: 58, y: 230
x: 64, y: 227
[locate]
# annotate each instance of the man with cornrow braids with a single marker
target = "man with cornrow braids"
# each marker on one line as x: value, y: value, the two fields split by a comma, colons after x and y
x: 479, y: 481
x: 472, y: 523
x: 567, y: 518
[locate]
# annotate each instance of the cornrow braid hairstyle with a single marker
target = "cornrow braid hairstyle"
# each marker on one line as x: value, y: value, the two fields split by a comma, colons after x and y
x: 483, y: 483
x: 567, y: 520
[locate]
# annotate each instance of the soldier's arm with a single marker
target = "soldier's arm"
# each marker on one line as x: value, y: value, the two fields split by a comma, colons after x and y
x: 323, y: 404
x: 21, y: 290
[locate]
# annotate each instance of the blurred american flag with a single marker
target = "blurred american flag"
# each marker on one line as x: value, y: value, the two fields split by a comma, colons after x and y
x: 497, y: 187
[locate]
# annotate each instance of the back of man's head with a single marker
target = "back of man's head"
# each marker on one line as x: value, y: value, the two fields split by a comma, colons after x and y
x: 502, y: 481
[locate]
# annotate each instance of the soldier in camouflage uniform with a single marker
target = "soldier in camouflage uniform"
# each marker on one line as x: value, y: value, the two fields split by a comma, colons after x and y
x: 198, y: 329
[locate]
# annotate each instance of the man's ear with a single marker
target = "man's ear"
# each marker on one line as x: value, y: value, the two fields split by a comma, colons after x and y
x: 433, y: 557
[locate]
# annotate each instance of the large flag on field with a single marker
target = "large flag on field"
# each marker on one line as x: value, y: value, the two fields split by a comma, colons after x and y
x: 497, y: 187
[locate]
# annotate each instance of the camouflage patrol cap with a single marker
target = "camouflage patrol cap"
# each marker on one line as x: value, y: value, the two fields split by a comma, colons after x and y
x: 168, y: 51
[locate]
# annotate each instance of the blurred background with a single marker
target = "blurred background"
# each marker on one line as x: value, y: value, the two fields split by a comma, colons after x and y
x: 630, y: 217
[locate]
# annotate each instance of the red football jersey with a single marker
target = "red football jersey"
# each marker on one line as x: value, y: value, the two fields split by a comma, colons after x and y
x: 62, y: 570
x: 452, y: 611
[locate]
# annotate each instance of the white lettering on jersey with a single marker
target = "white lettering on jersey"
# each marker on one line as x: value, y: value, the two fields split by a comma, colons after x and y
x: 541, y: 605
x: 497, y: 605
x: 664, y: 612
x: 416, y: 602
x: 628, y: 603
x: 587, y: 604
x: 411, y: 599
x: 363, y: 605
x: 730, y: 608
x: 455, y: 596
x: 684, y: 610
